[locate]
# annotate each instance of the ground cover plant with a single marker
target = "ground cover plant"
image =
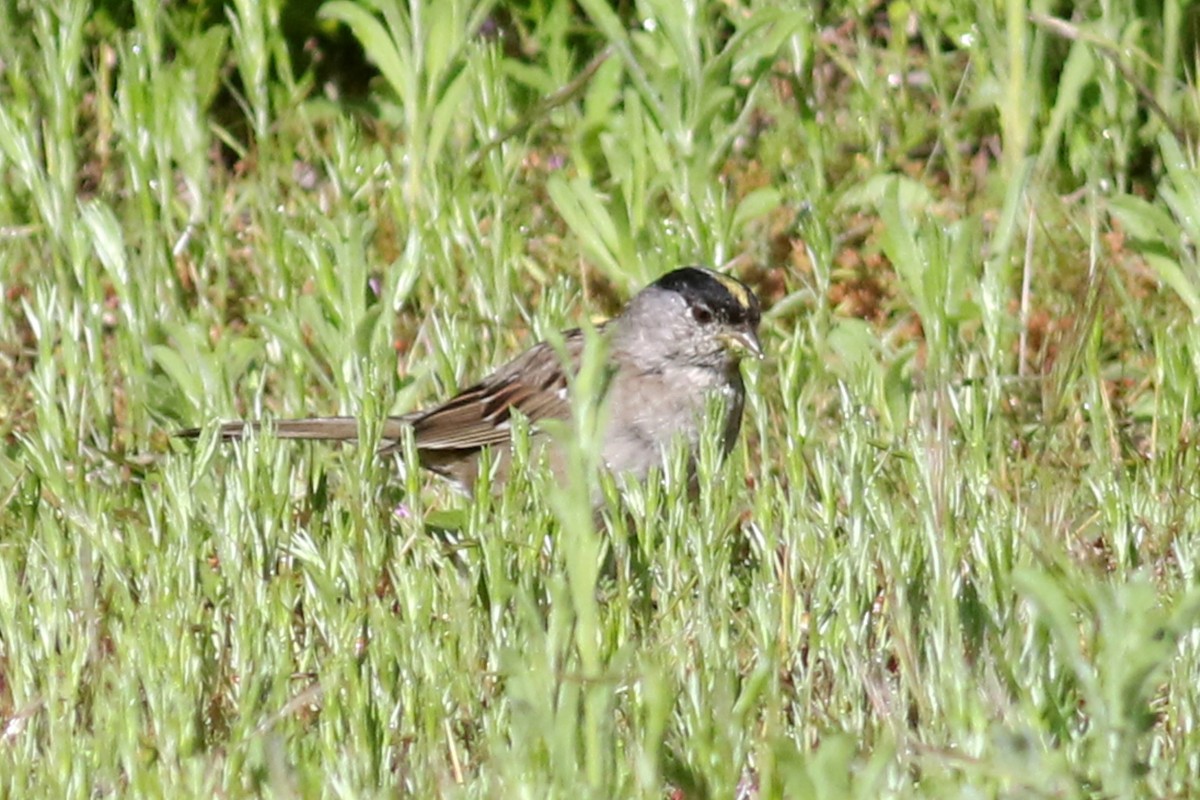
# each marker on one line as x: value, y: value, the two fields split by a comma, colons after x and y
x: 955, y: 553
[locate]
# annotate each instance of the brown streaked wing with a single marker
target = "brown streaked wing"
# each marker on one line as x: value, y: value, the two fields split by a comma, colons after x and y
x: 533, y: 384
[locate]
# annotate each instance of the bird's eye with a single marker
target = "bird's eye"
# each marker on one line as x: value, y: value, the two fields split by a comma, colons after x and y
x: 702, y: 314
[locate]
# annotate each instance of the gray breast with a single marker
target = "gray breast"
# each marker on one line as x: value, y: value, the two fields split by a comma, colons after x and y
x: 656, y: 410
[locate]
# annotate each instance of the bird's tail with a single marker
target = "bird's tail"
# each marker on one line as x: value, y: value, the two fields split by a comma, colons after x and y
x: 334, y: 429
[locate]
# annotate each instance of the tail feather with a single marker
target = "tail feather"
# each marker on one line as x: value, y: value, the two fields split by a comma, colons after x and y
x: 329, y: 428
x: 339, y: 429
x: 333, y: 429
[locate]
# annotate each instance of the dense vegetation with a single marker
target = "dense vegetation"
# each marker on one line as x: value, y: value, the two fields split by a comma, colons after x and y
x: 955, y: 555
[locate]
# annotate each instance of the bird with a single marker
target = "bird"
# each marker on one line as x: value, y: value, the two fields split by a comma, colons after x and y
x: 676, y: 344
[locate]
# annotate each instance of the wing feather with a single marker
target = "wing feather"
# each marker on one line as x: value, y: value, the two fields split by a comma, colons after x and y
x: 533, y: 384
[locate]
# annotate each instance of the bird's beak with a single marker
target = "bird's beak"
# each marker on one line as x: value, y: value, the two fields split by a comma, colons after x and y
x: 742, y: 342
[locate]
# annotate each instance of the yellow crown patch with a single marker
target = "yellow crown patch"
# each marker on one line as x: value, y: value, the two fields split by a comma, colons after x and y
x: 734, y: 287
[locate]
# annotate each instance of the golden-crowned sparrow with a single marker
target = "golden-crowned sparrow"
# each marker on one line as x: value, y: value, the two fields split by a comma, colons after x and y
x: 675, y: 345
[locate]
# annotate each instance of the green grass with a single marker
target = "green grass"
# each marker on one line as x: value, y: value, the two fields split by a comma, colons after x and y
x: 956, y: 554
